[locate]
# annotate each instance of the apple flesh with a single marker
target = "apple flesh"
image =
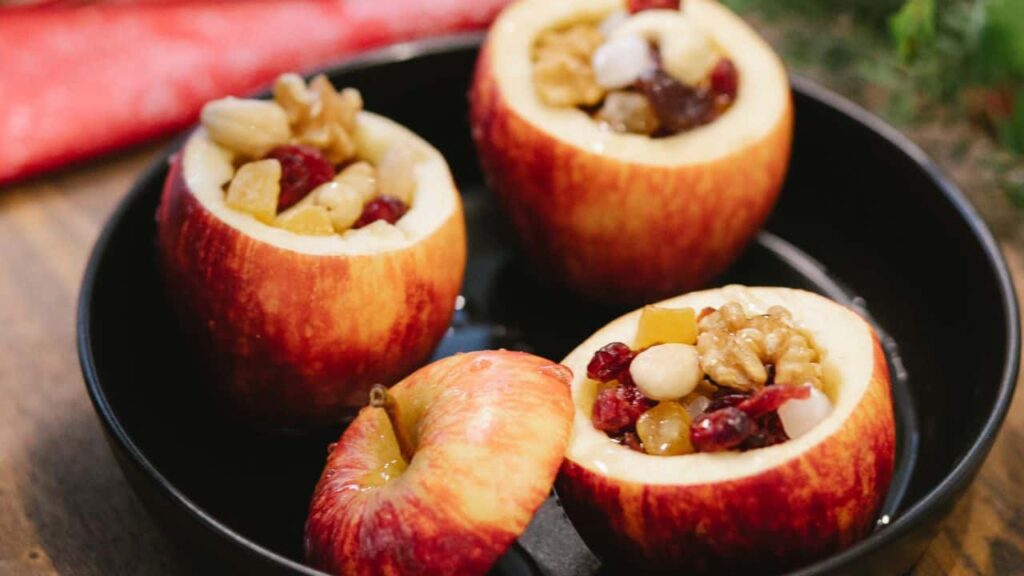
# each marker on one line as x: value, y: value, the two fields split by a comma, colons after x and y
x: 297, y: 328
x: 625, y: 218
x: 762, y: 510
x: 443, y: 476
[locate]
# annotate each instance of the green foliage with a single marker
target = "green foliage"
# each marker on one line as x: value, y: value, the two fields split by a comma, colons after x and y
x: 915, y: 61
x: 1016, y: 195
x: 935, y: 50
x: 999, y: 51
x: 992, y: 48
x: 1011, y: 131
x: 869, y: 11
x: 913, y: 27
x: 1009, y: 175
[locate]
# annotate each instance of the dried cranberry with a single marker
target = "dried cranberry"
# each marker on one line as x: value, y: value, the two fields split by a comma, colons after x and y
x: 632, y: 441
x: 726, y: 401
x: 625, y: 378
x: 769, y: 432
x: 640, y: 5
x: 720, y: 430
x: 303, y: 168
x: 618, y: 408
x: 725, y: 80
x: 769, y: 398
x: 611, y: 361
x: 677, y: 106
x: 707, y: 311
x: 386, y: 208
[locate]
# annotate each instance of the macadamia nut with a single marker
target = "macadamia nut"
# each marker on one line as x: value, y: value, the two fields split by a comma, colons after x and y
x: 666, y: 371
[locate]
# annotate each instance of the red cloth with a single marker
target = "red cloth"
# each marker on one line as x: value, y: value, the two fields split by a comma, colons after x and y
x: 76, y: 81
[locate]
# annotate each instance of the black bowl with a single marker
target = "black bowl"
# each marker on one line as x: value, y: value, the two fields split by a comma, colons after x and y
x: 879, y: 228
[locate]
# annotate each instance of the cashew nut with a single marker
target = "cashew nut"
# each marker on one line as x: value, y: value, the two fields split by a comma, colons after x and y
x: 687, y: 52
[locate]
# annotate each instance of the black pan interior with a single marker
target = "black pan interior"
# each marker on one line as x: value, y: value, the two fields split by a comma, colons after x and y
x: 861, y: 219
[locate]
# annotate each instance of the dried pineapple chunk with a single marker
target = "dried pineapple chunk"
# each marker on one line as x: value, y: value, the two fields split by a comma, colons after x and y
x: 666, y: 326
x: 255, y: 189
x: 308, y: 220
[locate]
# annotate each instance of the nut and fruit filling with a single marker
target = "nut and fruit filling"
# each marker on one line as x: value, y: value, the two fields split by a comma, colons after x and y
x: 650, y: 70
x: 298, y: 166
x: 719, y: 380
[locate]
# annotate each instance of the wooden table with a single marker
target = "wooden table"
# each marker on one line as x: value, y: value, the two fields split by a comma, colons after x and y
x: 64, y: 506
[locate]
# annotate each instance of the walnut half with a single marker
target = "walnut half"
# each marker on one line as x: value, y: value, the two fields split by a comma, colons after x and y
x: 735, y: 349
x: 562, y: 71
x: 319, y: 115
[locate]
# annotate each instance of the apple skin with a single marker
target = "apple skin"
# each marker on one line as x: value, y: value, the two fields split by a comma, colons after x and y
x: 488, y: 431
x: 297, y: 340
x: 621, y: 232
x: 816, y: 504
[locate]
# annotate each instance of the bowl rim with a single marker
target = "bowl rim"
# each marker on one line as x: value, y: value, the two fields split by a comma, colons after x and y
x: 942, y: 494
x: 957, y: 479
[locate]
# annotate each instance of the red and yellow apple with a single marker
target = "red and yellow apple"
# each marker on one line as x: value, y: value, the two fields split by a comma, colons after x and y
x: 761, y: 510
x: 624, y: 217
x: 296, y: 327
x: 444, y: 472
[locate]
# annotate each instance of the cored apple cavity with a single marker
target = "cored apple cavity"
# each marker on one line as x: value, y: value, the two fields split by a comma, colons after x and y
x: 310, y: 175
x: 650, y: 70
x: 719, y: 380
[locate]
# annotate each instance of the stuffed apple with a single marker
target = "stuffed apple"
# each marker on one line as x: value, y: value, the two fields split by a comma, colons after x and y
x: 636, y: 151
x: 728, y: 430
x: 310, y: 249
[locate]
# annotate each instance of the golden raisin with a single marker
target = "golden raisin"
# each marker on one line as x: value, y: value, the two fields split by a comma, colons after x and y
x: 308, y: 220
x: 665, y: 430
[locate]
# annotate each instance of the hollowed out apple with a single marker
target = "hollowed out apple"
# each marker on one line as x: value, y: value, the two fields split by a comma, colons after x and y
x: 442, y: 476
x: 727, y: 512
x: 297, y: 328
x: 623, y: 217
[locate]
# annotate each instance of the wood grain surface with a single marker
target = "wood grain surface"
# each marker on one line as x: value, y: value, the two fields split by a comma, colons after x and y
x: 66, y: 509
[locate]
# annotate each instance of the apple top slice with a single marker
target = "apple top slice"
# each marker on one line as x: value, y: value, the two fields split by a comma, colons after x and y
x: 443, y: 472
x: 207, y: 167
x: 762, y: 101
x: 849, y: 362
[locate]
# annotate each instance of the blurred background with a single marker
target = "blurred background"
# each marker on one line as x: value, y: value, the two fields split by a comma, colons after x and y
x: 948, y: 73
